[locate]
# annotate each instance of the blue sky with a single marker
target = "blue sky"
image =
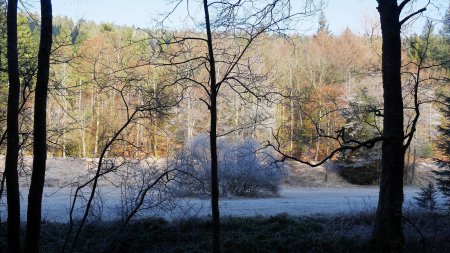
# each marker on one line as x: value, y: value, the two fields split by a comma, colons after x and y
x: 140, y: 13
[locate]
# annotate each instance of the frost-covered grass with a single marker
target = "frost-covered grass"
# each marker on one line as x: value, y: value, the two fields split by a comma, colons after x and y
x: 328, y: 216
x: 292, y: 201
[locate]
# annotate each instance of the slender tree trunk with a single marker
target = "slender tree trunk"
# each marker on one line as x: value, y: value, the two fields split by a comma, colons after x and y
x: 97, y: 126
x: 255, y: 121
x: 155, y: 136
x: 236, y: 116
x: 40, y: 131
x: 138, y: 138
x: 291, y: 111
x: 189, y: 119
x: 213, y: 136
x: 12, y: 151
x: 93, y: 93
x: 83, y: 138
x: 316, y: 156
x: 413, y: 168
x: 388, y: 234
x: 155, y: 126
x: 408, y: 166
x: 82, y: 122
x: 64, y: 117
x: 64, y: 120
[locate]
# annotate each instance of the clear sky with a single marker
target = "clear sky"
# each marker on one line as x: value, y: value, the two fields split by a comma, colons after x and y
x: 140, y: 13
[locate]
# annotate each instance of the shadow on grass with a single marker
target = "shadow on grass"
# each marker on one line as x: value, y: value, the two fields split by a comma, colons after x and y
x: 281, y: 233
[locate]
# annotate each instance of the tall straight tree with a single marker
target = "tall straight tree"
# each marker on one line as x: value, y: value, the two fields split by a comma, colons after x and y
x: 213, y: 92
x: 388, y: 233
x: 12, y: 150
x: 40, y: 131
x: 222, y: 60
x: 388, y: 226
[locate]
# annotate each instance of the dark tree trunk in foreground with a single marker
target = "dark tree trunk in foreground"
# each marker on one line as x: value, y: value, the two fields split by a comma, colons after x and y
x: 213, y: 136
x: 388, y: 234
x: 12, y: 150
x: 40, y: 132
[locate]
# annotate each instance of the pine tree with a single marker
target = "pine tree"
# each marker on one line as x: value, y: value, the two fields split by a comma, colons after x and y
x: 446, y: 25
x: 323, y: 24
x: 427, y: 197
x: 443, y: 175
x: 445, y: 32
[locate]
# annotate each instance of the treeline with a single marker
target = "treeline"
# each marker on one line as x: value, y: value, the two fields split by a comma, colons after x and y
x: 323, y: 82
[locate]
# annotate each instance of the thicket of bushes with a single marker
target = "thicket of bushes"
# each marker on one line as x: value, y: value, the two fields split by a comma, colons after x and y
x: 360, y: 173
x: 244, y: 169
x: 361, y: 167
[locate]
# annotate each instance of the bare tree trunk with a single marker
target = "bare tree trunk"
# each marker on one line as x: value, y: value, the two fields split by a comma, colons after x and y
x: 316, y: 156
x: 155, y: 144
x: 408, y: 165
x: 155, y: 126
x: 83, y: 138
x: 64, y: 120
x: 94, y: 182
x: 97, y: 126
x: 255, y: 121
x: 64, y: 117
x: 190, y: 116
x: 213, y: 136
x: 82, y: 123
x: 138, y: 138
x: 236, y: 116
x: 12, y: 151
x: 413, y: 168
x: 93, y: 93
x: 40, y: 131
x: 291, y: 111
x: 388, y: 235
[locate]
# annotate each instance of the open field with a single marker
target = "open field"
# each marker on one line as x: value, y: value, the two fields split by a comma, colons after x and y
x: 309, y: 215
x: 297, y: 198
x: 292, y: 201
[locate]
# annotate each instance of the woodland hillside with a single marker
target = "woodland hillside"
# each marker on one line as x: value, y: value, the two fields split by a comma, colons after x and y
x: 237, y: 103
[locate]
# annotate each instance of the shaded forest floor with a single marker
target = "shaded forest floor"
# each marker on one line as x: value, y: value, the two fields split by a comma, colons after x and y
x: 328, y: 175
x: 282, y: 233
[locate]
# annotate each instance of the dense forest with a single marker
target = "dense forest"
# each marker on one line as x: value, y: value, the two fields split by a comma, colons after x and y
x: 197, y: 102
x: 320, y: 81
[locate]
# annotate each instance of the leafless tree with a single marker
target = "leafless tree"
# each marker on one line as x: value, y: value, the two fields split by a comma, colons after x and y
x: 218, y: 54
x: 388, y: 234
x: 40, y: 131
x: 12, y: 153
x: 138, y: 102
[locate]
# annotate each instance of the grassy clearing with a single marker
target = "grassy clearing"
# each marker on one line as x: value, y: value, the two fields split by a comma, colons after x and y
x: 282, y: 233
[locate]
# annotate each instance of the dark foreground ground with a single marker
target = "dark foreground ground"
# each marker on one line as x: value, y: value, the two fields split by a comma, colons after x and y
x: 282, y: 233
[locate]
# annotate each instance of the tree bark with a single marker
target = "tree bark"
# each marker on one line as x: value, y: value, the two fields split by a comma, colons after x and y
x: 82, y: 122
x: 97, y: 124
x: 12, y: 151
x: 213, y: 136
x: 388, y: 235
x: 40, y: 131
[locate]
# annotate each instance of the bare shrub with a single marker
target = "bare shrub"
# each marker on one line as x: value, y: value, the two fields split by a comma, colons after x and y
x: 244, y: 169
